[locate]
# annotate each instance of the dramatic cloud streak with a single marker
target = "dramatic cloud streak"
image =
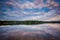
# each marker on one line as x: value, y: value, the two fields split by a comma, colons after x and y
x: 29, y: 9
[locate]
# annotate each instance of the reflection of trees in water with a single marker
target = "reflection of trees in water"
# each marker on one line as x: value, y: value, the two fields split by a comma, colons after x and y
x: 15, y: 35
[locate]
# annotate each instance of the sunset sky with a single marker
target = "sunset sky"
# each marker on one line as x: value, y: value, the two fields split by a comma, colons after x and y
x: 41, y: 10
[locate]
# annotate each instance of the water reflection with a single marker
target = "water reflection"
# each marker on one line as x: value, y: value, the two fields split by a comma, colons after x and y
x: 30, y: 32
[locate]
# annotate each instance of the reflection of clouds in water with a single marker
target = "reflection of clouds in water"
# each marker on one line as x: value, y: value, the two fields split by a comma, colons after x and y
x: 42, y: 29
x: 25, y: 9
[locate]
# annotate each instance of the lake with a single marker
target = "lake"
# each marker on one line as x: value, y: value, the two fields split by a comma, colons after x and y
x: 30, y: 32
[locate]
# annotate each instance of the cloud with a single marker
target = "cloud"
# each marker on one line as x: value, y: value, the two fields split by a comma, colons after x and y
x: 56, y: 18
x: 29, y: 10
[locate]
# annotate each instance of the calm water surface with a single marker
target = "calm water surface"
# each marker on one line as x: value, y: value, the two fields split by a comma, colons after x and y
x: 30, y: 32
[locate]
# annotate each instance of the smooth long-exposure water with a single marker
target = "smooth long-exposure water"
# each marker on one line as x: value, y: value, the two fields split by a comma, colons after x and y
x: 30, y: 32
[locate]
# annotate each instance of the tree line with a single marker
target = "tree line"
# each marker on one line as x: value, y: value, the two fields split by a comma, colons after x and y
x: 26, y: 22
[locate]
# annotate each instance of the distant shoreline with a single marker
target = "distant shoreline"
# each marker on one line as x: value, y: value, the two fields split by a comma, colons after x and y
x: 26, y: 22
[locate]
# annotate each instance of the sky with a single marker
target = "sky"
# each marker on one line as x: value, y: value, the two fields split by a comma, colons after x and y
x: 21, y: 10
